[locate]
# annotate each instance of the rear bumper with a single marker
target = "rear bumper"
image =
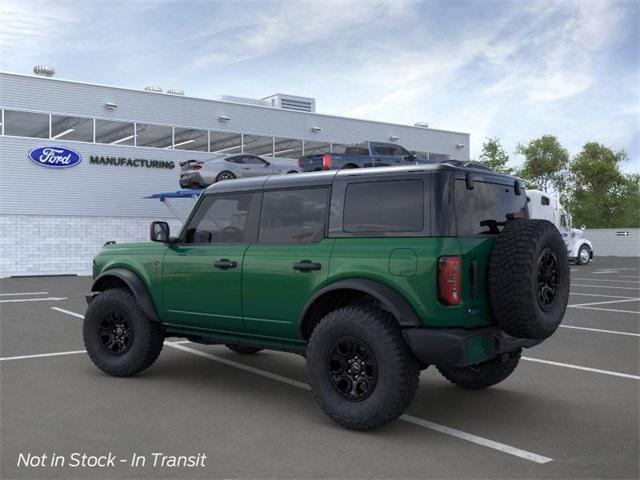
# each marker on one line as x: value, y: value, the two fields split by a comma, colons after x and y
x: 457, y: 347
x: 188, y: 180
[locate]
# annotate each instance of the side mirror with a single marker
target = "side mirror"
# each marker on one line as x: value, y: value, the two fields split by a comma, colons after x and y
x: 159, y: 232
x: 266, y: 164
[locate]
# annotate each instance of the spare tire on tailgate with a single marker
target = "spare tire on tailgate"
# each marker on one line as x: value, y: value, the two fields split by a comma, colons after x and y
x: 529, y: 278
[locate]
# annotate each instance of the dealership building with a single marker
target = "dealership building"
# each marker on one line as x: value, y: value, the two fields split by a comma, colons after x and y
x: 127, y: 144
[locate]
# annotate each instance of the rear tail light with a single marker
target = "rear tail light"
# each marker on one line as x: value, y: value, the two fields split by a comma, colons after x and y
x: 326, y: 162
x: 196, y: 167
x: 449, y: 280
x: 299, y: 163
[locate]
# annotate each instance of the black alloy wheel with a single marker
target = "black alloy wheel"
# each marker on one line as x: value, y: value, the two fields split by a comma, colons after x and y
x: 353, y: 369
x: 547, y: 278
x: 116, y: 332
x: 225, y: 176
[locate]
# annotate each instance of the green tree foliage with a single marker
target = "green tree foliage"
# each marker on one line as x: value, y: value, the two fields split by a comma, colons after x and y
x: 545, y: 163
x: 600, y: 195
x: 494, y: 156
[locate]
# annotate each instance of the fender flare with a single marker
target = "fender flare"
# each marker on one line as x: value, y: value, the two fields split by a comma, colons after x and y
x: 391, y: 300
x: 135, y: 284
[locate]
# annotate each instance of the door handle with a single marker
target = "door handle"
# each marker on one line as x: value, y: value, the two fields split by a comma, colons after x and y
x: 306, y: 266
x: 225, y: 264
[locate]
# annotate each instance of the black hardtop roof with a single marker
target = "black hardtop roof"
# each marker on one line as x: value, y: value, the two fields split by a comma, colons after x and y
x: 326, y: 178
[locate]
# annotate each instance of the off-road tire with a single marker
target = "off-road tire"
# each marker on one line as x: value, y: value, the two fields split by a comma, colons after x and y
x: 397, y: 369
x: 515, y: 278
x: 483, y: 375
x: 147, y: 337
x: 579, y: 260
x: 243, y: 349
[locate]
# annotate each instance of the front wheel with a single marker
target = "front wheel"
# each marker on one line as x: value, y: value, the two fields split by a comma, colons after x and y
x: 482, y: 375
x: 361, y: 371
x: 584, y: 255
x: 118, y: 336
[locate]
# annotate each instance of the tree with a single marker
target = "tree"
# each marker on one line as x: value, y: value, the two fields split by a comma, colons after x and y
x: 600, y: 195
x: 545, y: 163
x: 494, y: 156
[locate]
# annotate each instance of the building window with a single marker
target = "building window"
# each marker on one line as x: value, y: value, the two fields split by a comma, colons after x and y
x: 190, y: 139
x: 26, y: 124
x: 258, y: 145
x: 293, y: 216
x: 287, y: 148
x: 114, y: 133
x: 71, y: 128
x: 386, y: 206
x: 316, y: 148
x: 157, y: 136
x: 225, y: 142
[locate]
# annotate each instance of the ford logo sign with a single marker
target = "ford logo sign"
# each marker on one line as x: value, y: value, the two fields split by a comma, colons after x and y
x: 55, y: 157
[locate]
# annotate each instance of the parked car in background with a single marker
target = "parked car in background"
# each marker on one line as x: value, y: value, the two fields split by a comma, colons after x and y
x: 366, y: 154
x: 202, y: 173
x: 543, y: 206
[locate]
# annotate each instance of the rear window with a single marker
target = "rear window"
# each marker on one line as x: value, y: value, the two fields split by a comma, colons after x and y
x: 293, y: 216
x: 386, y: 206
x: 487, y: 201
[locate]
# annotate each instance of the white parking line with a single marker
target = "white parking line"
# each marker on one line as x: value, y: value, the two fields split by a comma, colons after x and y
x: 606, y: 286
x: 41, y: 355
x: 48, y: 299
x: 23, y: 293
x: 597, y: 295
x: 604, y: 302
x: 609, y: 310
x: 600, y: 330
x: 62, y: 310
x: 407, y: 418
x: 578, y: 367
x: 606, y: 280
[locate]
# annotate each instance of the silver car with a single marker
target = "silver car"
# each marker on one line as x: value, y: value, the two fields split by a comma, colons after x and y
x: 202, y: 173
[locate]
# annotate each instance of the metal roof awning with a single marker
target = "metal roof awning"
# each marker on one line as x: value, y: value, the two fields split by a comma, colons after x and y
x: 184, y: 193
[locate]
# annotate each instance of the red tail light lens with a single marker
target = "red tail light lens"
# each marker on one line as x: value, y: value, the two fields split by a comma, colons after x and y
x: 449, y: 280
x: 326, y: 162
x: 196, y: 167
x: 299, y: 162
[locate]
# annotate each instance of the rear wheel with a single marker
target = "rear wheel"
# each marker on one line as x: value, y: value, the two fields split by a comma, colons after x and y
x: 243, y: 349
x: 225, y: 175
x: 484, y: 374
x: 584, y: 255
x: 362, y: 373
x: 118, y: 336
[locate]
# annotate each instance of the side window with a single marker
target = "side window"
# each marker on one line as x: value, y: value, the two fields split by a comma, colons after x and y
x: 544, y: 200
x: 251, y: 160
x: 235, y: 159
x: 384, y: 206
x: 400, y: 152
x: 293, y: 216
x: 563, y: 220
x: 224, y: 219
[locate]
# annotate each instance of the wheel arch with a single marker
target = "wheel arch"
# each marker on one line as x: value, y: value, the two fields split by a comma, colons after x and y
x: 343, y: 292
x: 122, y: 277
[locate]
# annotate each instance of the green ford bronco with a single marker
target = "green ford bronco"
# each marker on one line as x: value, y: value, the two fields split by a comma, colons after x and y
x: 371, y: 274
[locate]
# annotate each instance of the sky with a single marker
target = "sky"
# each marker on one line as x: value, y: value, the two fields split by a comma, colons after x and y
x: 514, y: 70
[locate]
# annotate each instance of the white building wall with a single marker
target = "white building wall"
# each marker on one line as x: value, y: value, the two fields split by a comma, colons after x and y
x: 607, y: 242
x: 62, y: 244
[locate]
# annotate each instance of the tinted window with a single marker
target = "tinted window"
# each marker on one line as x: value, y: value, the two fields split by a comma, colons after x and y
x: 487, y: 201
x: 544, y: 200
x: 223, y: 219
x: 253, y: 160
x: 357, y: 151
x: 293, y: 216
x: 71, y: 128
x: 385, y: 206
x: 26, y: 124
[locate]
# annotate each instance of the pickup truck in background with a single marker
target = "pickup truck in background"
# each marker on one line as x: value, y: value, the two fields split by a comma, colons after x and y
x: 366, y: 154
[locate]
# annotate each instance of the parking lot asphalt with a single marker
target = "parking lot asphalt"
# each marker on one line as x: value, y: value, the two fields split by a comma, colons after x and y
x: 569, y: 411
